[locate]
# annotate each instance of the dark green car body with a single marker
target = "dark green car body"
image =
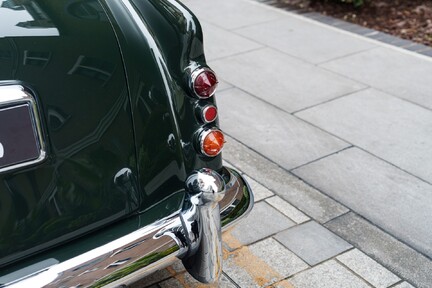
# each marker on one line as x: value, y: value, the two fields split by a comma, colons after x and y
x: 117, y: 124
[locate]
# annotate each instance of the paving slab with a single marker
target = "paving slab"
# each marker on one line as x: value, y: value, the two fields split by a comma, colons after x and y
x: 278, y: 135
x: 402, y: 131
x: 261, y: 264
x: 388, y: 251
x: 328, y: 275
x: 262, y: 222
x: 283, y: 261
x: 388, y: 197
x: 403, y: 285
x: 304, y: 39
x: 290, y: 188
x: 260, y: 192
x: 233, y: 43
x: 368, y: 269
x: 287, y: 209
x: 223, y: 85
x: 399, y: 73
x: 232, y: 14
x: 282, y: 80
x: 312, y: 242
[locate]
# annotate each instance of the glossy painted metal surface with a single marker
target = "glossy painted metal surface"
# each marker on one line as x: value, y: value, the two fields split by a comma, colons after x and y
x: 152, y: 247
x: 78, y: 83
x: 161, y: 47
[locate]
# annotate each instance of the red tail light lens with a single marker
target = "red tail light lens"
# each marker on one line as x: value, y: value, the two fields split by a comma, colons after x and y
x: 211, y: 142
x: 209, y: 114
x: 204, y: 82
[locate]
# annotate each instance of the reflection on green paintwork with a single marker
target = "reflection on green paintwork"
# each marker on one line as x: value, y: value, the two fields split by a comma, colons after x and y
x: 143, y: 262
x: 240, y: 209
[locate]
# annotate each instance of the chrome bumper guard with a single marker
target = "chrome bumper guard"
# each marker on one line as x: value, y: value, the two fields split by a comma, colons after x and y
x: 192, y: 234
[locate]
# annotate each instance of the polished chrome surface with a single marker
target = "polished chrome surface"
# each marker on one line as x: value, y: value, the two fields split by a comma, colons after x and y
x: 191, y: 234
x: 193, y: 77
x: 12, y: 95
x: 204, y: 260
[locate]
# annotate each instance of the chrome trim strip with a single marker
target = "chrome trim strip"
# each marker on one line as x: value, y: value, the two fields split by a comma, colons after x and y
x: 137, y: 254
x: 14, y: 95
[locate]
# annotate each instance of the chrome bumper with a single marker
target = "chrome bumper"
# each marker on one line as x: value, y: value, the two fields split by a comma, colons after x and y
x: 192, y: 234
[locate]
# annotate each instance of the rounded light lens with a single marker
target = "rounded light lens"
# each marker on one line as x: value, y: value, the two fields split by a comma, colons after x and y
x: 204, y: 82
x: 209, y: 114
x: 212, y: 142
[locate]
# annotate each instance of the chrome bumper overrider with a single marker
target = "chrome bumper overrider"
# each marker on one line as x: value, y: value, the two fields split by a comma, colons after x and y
x: 192, y: 234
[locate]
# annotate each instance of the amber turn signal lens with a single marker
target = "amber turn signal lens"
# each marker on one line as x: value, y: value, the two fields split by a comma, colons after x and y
x: 212, y: 142
x: 204, y: 82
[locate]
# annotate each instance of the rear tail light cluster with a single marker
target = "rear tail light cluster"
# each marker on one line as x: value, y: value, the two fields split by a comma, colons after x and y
x: 203, y: 85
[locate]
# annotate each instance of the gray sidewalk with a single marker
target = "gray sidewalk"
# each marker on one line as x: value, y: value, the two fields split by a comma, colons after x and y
x: 334, y: 132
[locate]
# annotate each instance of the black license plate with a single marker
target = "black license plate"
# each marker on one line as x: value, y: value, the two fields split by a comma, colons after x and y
x: 18, y: 137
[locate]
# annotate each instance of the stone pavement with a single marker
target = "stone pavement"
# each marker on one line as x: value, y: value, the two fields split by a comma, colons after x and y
x: 334, y: 133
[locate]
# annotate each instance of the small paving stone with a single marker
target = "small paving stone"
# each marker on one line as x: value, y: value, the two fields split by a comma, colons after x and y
x: 427, y: 52
x: 367, y: 268
x: 327, y: 275
x: 250, y: 270
x: 309, y: 200
x: 278, y: 257
x: 186, y: 280
x: 260, y: 192
x: 238, y: 274
x: 283, y: 284
x: 396, y: 256
x: 263, y: 221
x: 287, y: 209
x: 312, y: 242
x: 403, y: 285
x: 177, y: 267
x: 401, y: 42
x: 417, y: 47
x: 376, y: 35
x: 171, y: 283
